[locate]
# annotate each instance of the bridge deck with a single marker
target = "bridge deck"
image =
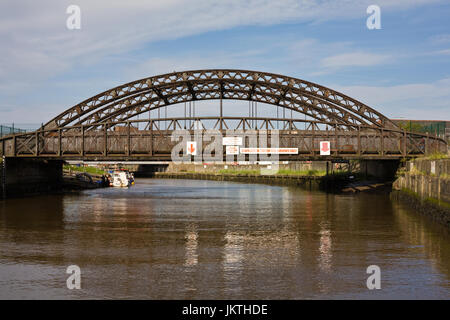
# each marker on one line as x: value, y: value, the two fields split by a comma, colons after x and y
x: 123, y: 141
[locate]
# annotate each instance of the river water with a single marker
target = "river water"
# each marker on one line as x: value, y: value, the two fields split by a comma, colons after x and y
x: 188, y: 239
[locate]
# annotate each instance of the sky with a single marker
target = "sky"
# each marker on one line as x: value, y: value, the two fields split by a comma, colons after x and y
x: 402, y: 70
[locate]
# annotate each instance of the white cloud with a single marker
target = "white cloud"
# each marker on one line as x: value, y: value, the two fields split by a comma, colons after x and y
x: 354, y: 59
x: 312, y: 56
x: 33, y: 34
x: 440, y: 39
x: 38, y: 49
x: 414, y: 101
x: 443, y: 52
x: 195, y: 60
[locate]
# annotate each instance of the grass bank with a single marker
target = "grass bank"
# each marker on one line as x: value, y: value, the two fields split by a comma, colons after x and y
x: 435, y: 156
x: 90, y: 170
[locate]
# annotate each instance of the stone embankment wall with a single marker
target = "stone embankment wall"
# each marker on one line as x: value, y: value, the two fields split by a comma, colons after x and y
x: 307, y: 182
x: 425, y: 185
x: 30, y: 176
x: 215, y: 168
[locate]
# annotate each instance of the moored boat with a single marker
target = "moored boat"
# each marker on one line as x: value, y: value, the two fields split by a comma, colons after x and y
x: 119, y: 179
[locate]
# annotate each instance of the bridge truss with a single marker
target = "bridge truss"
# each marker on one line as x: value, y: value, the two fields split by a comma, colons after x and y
x: 106, y: 126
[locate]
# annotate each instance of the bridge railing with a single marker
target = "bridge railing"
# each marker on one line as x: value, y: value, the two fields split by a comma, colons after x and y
x: 152, y: 139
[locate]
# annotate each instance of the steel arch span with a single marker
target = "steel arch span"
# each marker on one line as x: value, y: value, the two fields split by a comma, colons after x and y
x: 126, y: 101
x: 105, y: 126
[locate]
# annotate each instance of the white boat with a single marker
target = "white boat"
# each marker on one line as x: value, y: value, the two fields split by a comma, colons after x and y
x: 130, y: 177
x: 120, y: 179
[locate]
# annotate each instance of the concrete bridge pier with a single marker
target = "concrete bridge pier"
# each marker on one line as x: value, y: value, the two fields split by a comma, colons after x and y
x: 21, y: 176
x: 381, y: 169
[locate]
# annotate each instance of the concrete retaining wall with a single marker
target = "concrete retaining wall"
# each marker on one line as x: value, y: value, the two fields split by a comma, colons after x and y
x: 430, y: 167
x: 432, y: 187
x: 215, y: 168
x: 426, y: 182
x: 307, y: 182
x: 31, y: 176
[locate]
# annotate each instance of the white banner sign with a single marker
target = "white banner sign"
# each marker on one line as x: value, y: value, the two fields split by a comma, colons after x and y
x: 269, y: 150
x: 232, y: 149
x: 232, y: 141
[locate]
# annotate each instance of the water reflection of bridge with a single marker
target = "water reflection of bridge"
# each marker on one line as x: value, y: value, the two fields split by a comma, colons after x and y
x: 262, y: 241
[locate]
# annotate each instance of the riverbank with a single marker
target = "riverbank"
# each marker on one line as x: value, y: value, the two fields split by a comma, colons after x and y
x: 79, y: 180
x: 424, y: 185
x: 46, y: 179
x: 311, y: 182
x: 338, y: 183
x: 313, y: 175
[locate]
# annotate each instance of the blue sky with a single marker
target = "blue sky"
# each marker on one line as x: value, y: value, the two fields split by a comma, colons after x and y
x: 402, y: 70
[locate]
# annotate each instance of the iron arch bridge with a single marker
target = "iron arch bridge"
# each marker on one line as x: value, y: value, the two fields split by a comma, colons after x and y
x: 107, y: 126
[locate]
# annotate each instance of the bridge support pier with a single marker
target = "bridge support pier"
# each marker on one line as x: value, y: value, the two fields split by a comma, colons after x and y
x: 30, y: 176
x: 381, y: 169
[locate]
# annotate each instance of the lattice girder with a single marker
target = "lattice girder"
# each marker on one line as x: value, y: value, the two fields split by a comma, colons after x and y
x: 316, y: 101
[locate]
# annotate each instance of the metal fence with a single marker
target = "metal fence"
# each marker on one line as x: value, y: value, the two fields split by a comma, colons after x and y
x: 6, y: 130
x: 447, y: 136
x: 437, y: 128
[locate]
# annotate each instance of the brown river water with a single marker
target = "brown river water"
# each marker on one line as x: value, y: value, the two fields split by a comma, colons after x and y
x: 188, y: 239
